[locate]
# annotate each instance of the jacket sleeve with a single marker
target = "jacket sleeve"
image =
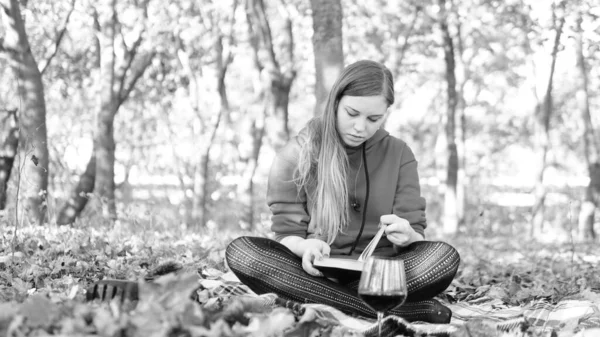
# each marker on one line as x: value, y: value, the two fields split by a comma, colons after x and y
x: 285, y: 200
x: 408, y: 203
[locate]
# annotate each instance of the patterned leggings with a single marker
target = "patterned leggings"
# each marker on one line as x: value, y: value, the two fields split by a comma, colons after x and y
x: 266, y: 266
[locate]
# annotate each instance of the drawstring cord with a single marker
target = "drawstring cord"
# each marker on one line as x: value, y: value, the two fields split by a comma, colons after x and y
x: 364, y: 214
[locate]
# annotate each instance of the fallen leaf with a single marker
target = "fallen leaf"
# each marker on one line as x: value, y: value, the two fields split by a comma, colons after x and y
x: 73, y: 292
x: 7, y: 312
x: 10, y: 258
x: 481, y: 327
x: 274, y: 324
x: 594, y: 332
x: 591, y: 296
x: 211, y: 273
x: 170, y: 290
x: 39, y: 311
x: 308, y: 329
x: 105, y: 323
x: 568, y: 328
x: 497, y: 293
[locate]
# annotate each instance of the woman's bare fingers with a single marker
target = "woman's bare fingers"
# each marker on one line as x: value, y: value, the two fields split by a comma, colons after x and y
x: 307, y: 262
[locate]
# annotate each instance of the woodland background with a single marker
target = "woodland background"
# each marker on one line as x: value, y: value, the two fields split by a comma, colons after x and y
x: 135, y: 133
x: 172, y: 111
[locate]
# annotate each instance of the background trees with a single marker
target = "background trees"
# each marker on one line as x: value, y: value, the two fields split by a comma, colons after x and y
x: 9, y: 138
x: 176, y: 110
x: 120, y: 61
x: 33, y: 175
x: 327, y: 46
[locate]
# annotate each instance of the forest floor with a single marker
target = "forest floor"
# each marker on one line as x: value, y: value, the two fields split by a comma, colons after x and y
x: 45, y: 270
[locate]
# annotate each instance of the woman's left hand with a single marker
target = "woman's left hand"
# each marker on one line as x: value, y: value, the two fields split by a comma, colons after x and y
x: 399, y: 231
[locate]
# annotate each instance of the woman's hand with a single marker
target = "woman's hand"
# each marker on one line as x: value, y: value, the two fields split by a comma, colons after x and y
x: 399, y: 231
x: 313, y: 249
x: 308, y: 250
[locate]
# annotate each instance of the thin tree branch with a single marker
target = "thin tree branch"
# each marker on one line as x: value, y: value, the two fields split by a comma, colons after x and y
x: 205, y: 20
x: 407, y: 35
x: 7, y: 47
x: 228, y: 59
x: 129, y: 58
x: 137, y: 73
x: 44, y: 65
x: 555, y: 48
x: 130, y: 54
x: 259, y: 17
x: 231, y: 36
x: 254, y: 39
x: 184, y: 59
x: 284, y: 10
x: 178, y: 161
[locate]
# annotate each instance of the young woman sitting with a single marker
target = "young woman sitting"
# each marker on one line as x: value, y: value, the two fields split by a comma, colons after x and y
x: 329, y: 189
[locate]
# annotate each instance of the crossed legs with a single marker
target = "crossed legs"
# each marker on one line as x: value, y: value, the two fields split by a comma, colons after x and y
x: 267, y: 266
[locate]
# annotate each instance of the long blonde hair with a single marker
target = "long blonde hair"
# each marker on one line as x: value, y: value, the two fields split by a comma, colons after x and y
x: 323, y: 164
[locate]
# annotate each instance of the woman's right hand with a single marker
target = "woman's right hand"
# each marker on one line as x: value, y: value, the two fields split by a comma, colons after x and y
x: 308, y: 250
x: 313, y: 249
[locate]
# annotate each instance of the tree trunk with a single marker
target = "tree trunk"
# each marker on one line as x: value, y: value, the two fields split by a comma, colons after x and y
x: 9, y: 142
x: 461, y: 187
x: 276, y: 105
x: 591, y: 146
x: 104, y: 142
x: 79, y: 198
x: 464, y: 71
x: 327, y: 46
x: 543, y: 115
x: 115, y: 85
x: 252, y: 130
x: 272, y: 118
x: 223, y: 62
x: 33, y: 145
x: 200, y: 201
x: 249, y: 151
x: 450, y: 198
x: 209, y: 132
x: 223, y: 57
x: 276, y: 83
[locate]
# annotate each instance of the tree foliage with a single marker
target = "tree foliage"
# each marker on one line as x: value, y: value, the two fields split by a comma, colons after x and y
x: 206, y: 92
x: 162, y: 119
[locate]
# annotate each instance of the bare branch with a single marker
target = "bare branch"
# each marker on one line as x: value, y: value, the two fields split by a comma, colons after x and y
x: 253, y: 37
x: 130, y: 54
x: 129, y: 58
x: 184, y: 60
x: 208, y: 19
x: 285, y: 11
x: 137, y: 73
x: 5, y: 12
x: 95, y: 17
x: 266, y: 32
x: 231, y: 38
x: 407, y: 35
x: 259, y: 20
x: 44, y: 65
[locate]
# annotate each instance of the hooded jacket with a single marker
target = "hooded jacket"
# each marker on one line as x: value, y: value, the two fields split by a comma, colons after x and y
x: 382, y: 179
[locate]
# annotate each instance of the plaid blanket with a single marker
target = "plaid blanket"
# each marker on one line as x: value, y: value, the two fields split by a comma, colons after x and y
x: 482, y: 317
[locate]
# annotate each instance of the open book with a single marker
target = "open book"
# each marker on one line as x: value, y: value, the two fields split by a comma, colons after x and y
x: 346, y: 265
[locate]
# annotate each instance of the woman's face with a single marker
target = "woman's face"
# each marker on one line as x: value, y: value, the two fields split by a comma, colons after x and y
x: 359, y: 117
